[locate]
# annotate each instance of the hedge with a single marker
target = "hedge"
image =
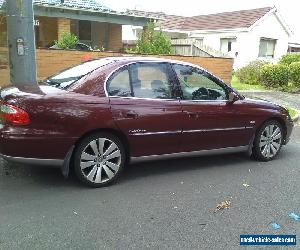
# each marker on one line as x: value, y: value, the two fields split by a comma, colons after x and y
x: 294, y: 73
x: 275, y: 75
x: 289, y: 58
x: 250, y: 74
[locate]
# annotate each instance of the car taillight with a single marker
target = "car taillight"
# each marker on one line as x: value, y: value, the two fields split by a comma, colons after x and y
x: 14, y: 115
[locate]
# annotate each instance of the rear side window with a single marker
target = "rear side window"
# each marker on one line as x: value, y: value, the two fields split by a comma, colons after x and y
x: 151, y: 80
x: 119, y: 84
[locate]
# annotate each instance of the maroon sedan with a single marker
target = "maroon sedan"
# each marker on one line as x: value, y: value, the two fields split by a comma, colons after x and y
x: 102, y: 114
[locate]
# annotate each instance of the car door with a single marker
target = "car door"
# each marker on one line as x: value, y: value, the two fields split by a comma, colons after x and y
x: 144, y: 108
x: 210, y: 121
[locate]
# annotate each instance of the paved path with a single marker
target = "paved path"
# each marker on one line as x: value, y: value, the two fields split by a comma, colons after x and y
x: 282, y: 98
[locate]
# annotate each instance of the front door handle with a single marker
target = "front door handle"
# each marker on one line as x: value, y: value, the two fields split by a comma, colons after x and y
x: 131, y: 114
x: 193, y: 115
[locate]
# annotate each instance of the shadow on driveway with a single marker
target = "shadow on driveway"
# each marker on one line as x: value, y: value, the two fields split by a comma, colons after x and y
x: 11, y: 174
x: 165, y: 167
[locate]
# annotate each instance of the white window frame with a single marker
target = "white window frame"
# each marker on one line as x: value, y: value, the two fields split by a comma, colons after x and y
x: 268, y: 41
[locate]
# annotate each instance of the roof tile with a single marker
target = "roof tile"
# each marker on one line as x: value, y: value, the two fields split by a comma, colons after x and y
x: 225, y: 20
x: 78, y: 4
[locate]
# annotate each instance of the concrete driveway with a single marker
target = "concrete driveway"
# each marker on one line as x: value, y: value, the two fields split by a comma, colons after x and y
x: 158, y: 205
x: 281, y: 98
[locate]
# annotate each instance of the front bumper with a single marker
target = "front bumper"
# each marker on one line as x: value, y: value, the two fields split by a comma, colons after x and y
x: 289, y: 124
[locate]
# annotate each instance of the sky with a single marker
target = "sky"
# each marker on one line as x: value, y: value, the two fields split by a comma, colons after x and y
x: 288, y: 9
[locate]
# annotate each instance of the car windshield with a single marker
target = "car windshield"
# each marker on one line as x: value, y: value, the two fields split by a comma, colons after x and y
x: 67, y: 77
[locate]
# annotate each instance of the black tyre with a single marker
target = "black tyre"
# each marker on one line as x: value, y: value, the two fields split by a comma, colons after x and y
x: 99, y: 159
x: 268, y: 141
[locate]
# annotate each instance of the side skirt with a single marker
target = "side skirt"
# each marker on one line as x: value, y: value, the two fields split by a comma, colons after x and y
x: 190, y: 154
x: 34, y: 161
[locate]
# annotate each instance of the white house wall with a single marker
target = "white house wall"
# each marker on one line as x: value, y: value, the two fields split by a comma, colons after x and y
x: 247, y: 42
x: 272, y: 28
x: 213, y: 40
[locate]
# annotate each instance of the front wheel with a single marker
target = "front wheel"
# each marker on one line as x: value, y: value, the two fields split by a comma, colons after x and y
x: 268, y: 141
x: 99, y: 159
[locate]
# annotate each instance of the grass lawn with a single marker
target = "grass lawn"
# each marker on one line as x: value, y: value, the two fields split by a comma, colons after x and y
x: 236, y: 84
x: 292, y: 112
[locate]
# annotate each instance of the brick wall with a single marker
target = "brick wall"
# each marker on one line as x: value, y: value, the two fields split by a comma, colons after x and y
x: 4, y: 71
x: 3, y: 31
x: 63, y: 25
x: 115, y: 37
x: 52, y: 61
x: 48, y: 30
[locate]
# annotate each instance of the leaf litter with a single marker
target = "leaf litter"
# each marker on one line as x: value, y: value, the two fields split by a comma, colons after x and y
x: 223, y: 205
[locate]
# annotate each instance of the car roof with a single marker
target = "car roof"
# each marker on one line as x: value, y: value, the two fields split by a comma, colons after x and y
x: 131, y: 59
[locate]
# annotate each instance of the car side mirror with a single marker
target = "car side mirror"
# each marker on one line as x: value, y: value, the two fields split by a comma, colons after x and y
x: 232, y: 97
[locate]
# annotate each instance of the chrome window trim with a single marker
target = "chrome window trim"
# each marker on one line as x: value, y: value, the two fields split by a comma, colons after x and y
x: 190, y: 154
x: 159, y: 61
x: 142, y: 98
x: 174, y: 99
x: 213, y: 101
x: 126, y: 65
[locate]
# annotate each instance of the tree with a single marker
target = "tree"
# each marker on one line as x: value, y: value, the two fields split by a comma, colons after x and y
x: 153, y: 42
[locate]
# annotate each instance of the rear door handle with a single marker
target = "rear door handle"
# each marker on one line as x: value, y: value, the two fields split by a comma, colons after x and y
x: 131, y: 114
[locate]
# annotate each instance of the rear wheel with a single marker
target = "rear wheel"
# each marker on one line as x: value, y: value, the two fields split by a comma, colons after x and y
x: 268, y: 141
x: 99, y: 159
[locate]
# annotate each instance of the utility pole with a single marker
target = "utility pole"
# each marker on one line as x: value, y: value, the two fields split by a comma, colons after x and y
x: 21, y: 42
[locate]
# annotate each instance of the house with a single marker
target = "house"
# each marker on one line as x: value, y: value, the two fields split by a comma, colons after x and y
x: 93, y: 23
x: 245, y: 35
x: 294, y: 47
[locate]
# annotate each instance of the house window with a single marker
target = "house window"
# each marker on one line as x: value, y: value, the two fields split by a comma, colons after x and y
x: 200, y: 41
x: 266, y: 48
x: 85, y: 30
x: 227, y: 44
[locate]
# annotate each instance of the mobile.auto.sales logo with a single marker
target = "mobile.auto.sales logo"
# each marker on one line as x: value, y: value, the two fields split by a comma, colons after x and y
x: 271, y: 240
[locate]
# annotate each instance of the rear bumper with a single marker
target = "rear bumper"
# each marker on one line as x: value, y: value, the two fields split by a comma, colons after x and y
x: 21, y: 143
x: 17, y: 145
x: 57, y: 163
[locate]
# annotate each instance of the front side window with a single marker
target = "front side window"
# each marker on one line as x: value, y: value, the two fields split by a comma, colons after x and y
x: 197, y: 84
x: 151, y: 80
x: 119, y: 85
x: 267, y: 48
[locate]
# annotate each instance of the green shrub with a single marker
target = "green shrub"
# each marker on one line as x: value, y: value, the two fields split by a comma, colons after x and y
x: 289, y: 58
x: 250, y: 74
x: 294, y: 73
x: 275, y: 75
x: 67, y: 41
x: 153, y: 42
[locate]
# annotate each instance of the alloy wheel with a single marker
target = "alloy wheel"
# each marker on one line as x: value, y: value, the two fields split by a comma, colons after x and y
x: 270, y: 141
x: 100, y: 160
